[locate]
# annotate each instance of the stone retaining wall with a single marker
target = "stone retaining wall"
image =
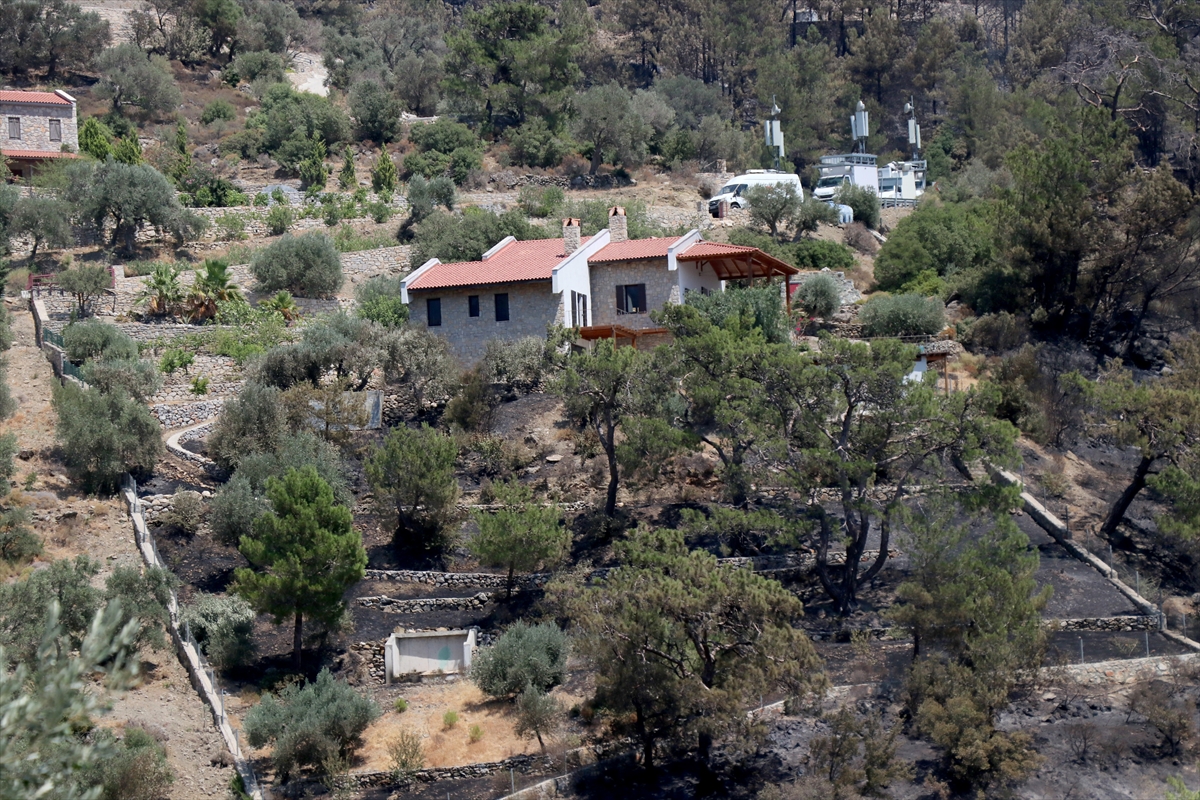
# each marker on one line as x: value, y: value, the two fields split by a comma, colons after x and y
x: 507, y: 180
x: 181, y: 415
x: 424, y: 604
x: 381, y: 261
x: 224, y: 376
x: 1124, y: 623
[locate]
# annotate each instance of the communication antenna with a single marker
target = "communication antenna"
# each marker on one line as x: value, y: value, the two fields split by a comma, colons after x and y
x: 859, y: 125
x: 914, y: 130
x: 773, y: 134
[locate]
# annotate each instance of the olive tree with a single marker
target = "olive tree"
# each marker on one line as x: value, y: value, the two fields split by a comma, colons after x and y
x: 308, y: 265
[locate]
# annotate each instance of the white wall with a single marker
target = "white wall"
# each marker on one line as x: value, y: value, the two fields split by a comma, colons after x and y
x: 447, y: 652
x: 691, y: 280
x: 574, y: 275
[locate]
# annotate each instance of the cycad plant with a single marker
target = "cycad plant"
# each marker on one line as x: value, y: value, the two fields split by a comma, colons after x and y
x: 161, y: 292
x: 283, y: 304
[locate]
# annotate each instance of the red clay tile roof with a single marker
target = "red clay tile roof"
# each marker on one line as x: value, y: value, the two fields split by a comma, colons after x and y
x: 36, y: 154
x: 37, y: 98
x: 632, y: 250
x: 532, y: 260
x: 702, y: 250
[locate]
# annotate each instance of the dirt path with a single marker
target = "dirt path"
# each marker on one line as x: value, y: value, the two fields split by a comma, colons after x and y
x: 72, y: 524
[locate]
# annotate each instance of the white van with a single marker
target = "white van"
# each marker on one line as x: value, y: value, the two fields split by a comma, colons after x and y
x: 735, y: 190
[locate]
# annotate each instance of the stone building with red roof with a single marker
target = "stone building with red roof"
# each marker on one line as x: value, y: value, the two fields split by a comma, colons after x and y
x: 37, y: 126
x: 605, y: 285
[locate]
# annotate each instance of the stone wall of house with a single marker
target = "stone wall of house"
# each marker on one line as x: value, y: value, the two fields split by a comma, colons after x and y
x: 662, y: 287
x: 35, y: 127
x: 531, y: 307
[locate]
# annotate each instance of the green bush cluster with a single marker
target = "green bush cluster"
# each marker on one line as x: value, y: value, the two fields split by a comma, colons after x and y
x: 523, y: 656
x: 902, y: 315
x: 446, y: 148
x: 307, y: 266
x: 222, y: 626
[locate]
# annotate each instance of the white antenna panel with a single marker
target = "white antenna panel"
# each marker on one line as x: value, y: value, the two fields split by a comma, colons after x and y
x: 914, y: 134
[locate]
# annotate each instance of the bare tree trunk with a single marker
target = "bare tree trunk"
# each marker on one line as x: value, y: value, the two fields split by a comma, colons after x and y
x: 1117, y: 513
x: 298, y: 641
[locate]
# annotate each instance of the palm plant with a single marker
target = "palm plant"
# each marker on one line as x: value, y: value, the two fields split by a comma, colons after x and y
x: 213, y: 285
x: 283, y: 304
x: 161, y: 291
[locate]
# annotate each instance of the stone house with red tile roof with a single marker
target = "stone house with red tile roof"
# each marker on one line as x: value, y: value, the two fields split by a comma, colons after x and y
x: 605, y: 285
x: 37, y: 126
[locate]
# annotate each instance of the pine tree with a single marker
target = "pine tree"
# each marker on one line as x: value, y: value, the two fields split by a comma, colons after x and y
x: 347, y: 180
x: 313, y: 171
x: 306, y: 552
x: 128, y: 150
x: 95, y: 139
x: 383, y: 176
x: 685, y: 644
x: 520, y: 536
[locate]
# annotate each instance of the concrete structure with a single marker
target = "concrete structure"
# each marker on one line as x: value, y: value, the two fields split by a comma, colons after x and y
x: 36, y: 126
x: 428, y: 653
x: 605, y: 285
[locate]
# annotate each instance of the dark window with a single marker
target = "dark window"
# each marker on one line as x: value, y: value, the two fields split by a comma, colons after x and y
x: 433, y: 312
x: 579, y: 310
x: 14, y: 127
x: 502, y: 308
x: 631, y: 298
x: 56, y: 130
x: 473, y: 305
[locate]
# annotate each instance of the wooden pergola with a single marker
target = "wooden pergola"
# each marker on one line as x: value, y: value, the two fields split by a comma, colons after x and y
x: 738, y: 263
x: 617, y: 333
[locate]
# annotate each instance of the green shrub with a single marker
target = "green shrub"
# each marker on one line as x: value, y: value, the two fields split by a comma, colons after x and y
x: 135, y: 769
x: 18, y: 543
x: 296, y: 451
x: 541, y: 201
x: 306, y: 265
x: 535, y: 145
x: 519, y: 365
x: 8, y: 404
x: 223, y: 627
x: 199, y: 385
x: 466, y: 237
x: 175, y: 359
x: 94, y: 339
x: 762, y: 305
x: 524, y: 655
x: 105, y: 435
x: 261, y: 200
x: 819, y: 254
x: 310, y: 725
x: 8, y: 465
x: 471, y: 407
x: 475, y: 732
x: 450, y: 719
x: 252, y: 422
x: 406, y: 754
x: 331, y: 213
x: 379, y: 211
x: 401, y: 705
x: 444, y: 135
x: 232, y: 226
x: 864, y: 203
x: 279, y: 218
x: 137, y: 377
x: 819, y: 296
x: 217, y: 110
x: 902, y: 315
x: 233, y: 509
x: 85, y: 283
x: 186, y: 511
x: 379, y: 301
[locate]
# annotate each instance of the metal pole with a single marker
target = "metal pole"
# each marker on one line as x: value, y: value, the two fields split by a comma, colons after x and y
x: 512, y: 777
x: 1147, y: 643
x: 1080, y: 649
x: 1138, y: 579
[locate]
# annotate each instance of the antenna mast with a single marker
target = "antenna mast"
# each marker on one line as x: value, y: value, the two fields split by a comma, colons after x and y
x: 773, y: 134
x: 859, y: 124
x: 914, y: 130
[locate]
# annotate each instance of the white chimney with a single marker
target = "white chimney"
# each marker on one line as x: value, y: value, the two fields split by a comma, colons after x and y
x: 570, y: 235
x: 618, y: 229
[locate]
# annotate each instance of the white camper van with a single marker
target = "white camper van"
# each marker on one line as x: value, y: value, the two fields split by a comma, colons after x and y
x: 735, y: 190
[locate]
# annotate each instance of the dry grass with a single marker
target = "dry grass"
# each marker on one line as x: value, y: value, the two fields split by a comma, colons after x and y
x: 450, y: 747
